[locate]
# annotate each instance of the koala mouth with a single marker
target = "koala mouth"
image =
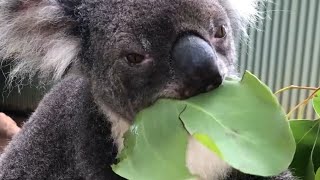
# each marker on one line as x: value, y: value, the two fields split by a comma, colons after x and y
x: 201, y: 87
x: 184, y: 91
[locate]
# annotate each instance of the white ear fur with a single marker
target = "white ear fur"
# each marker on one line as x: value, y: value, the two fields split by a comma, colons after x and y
x: 245, y: 12
x: 247, y: 9
x: 36, y: 40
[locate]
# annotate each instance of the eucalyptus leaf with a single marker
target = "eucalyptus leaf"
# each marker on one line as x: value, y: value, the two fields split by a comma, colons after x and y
x: 155, y: 146
x: 307, y: 159
x: 247, y: 125
x: 241, y: 121
x: 316, y: 103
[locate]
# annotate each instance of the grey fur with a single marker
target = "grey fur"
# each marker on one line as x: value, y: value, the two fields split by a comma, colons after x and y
x: 37, y: 38
x: 76, y: 131
x: 64, y: 139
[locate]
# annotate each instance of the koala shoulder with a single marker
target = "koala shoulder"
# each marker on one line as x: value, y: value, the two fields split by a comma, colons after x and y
x: 58, y: 140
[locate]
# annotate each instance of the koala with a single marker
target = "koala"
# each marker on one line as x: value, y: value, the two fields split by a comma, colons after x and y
x: 108, y: 60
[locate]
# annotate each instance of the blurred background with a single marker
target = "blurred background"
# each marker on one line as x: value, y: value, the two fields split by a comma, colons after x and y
x: 18, y: 102
x: 283, y: 49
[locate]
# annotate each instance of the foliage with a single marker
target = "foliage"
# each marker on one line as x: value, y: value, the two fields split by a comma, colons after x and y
x: 155, y: 145
x: 306, y: 163
x: 242, y: 122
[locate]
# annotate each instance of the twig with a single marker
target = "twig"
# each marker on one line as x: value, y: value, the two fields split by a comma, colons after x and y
x: 304, y: 102
x: 295, y: 87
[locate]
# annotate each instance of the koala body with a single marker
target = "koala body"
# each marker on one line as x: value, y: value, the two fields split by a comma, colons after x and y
x: 113, y: 58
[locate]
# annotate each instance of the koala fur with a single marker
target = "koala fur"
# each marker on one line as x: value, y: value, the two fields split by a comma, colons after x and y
x: 83, y: 45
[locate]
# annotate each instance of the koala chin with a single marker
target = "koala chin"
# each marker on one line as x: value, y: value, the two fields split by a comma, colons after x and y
x: 108, y: 60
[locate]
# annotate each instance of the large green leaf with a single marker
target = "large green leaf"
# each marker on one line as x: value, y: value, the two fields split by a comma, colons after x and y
x: 246, y: 124
x: 241, y: 121
x: 307, y: 159
x: 155, y: 146
x: 316, y: 103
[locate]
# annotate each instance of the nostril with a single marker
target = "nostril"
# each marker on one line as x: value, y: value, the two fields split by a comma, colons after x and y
x: 187, y: 93
x: 210, y: 87
x: 214, y: 83
x: 213, y: 86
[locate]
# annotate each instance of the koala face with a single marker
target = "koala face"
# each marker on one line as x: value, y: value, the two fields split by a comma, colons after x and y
x: 144, y: 51
x: 133, y: 51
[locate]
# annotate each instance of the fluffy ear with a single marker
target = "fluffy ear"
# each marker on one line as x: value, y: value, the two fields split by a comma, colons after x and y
x: 247, y: 9
x: 36, y: 36
x: 243, y: 12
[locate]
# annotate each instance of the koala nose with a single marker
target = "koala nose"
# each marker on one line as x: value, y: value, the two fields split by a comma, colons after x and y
x: 197, y: 60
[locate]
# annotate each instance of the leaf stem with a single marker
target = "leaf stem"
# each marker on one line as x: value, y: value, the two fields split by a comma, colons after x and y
x: 301, y: 111
x: 295, y: 87
x: 304, y: 102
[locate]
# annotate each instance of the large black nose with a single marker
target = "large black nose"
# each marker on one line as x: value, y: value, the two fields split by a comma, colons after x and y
x: 197, y: 60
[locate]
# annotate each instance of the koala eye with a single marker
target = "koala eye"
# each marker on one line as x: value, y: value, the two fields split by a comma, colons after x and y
x: 221, y: 32
x: 135, y: 58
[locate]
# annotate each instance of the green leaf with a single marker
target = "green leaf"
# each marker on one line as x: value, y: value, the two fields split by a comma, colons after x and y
x: 307, y: 159
x: 242, y: 122
x: 316, y: 103
x: 205, y: 140
x: 246, y: 124
x: 155, y: 146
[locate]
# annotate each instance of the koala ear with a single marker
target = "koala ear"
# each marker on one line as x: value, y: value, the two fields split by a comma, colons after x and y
x: 243, y: 13
x: 36, y: 37
x: 247, y: 9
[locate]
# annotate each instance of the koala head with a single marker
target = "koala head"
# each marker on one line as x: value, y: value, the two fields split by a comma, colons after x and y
x: 132, y: 51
